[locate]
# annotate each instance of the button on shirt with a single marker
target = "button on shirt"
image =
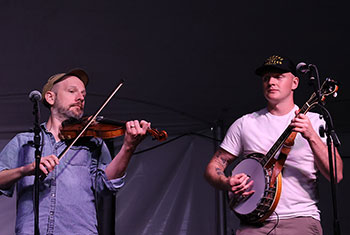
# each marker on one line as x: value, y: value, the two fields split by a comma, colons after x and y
x: 67, y: 195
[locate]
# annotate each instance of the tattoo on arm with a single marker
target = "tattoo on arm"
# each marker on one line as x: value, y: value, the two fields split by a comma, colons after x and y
x: 223, y: 161
x: 218, y: 153
x: 219, y: 171
x: 219, y: 156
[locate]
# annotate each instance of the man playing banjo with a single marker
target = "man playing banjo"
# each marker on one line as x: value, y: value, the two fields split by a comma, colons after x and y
x: 296, y: 211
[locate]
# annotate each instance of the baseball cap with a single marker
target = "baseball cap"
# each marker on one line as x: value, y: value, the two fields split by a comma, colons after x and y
x: 276, y: 63
x: 80, y: 73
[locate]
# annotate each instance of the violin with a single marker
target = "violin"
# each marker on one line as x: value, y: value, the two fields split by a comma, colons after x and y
x: 102, y: 128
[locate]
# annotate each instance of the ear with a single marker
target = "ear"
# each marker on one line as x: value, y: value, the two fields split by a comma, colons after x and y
x: 50, y: 97
x: 295, y: 83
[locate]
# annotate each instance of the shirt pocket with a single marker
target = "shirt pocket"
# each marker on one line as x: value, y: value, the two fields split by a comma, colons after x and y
x: 26, y: 154
x: 78, y: 157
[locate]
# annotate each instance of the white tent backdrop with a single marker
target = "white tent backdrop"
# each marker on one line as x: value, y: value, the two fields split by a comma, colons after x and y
x: 166, y: 194
x: 188, y: 65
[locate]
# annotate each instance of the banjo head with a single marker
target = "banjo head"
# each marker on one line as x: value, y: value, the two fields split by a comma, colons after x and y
x: 252, y: 168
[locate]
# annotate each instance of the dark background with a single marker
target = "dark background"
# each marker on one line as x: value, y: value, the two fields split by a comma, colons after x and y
x: 187, y: 64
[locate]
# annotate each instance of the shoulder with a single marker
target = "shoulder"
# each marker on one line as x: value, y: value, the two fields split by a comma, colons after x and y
x: 17, y: 142
x: 316, y: 120
x: 23, y: 137
x: 257, y: 114
x: 253, y: 115
x: 247, y: 119
x: 315, y: 117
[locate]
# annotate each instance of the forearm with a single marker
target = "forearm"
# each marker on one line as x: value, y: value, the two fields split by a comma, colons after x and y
x: 134, y: 134
x: 215, y: 170
x: 117, y: 167
x: 301, y: 123
x: 215, y: 175
x: 11, y: 176
x: 320, y: 151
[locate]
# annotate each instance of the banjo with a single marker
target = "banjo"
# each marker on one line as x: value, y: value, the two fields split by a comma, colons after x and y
x: 265, y: 170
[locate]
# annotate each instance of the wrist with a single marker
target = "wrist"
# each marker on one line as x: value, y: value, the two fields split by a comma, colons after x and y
x: 314, y: 139
x: 225, y: 183
x: 128, y: 148
x: 27, y: 170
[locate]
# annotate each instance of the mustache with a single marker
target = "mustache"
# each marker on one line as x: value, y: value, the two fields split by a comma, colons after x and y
x: 79, y: 104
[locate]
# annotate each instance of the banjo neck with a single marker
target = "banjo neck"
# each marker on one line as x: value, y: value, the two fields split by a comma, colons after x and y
x: 283, y: 137
x: 327, y: 88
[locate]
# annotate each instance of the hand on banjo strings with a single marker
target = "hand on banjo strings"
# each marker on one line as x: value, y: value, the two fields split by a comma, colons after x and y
x: 241, y: 185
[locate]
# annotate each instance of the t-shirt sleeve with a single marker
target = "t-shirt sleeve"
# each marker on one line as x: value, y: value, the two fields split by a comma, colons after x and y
x: 318, y: 123
x: 232, y: 142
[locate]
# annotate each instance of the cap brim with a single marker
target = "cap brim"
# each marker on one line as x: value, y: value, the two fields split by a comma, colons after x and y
x: 81, y: 74
x: 269, y: 68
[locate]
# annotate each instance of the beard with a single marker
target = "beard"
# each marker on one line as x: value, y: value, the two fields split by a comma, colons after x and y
x: 75, y: 111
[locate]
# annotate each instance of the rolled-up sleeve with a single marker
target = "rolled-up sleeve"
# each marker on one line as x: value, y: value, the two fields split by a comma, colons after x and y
x: 100, y: 161
x: 114, y: 184
x: 9, y: 160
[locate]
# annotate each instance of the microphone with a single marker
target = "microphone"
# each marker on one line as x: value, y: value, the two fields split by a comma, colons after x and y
x: 303, y: 68
x: 35, y: 96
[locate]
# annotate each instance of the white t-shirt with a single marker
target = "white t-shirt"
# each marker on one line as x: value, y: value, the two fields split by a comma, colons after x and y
x: 256, y: 133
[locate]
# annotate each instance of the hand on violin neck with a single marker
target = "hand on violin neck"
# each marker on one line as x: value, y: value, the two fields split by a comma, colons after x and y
x: 135, y: 133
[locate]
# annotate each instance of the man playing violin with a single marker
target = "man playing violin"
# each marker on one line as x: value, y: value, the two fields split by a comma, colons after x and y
x: 67, y: 194
x: 296, y: 211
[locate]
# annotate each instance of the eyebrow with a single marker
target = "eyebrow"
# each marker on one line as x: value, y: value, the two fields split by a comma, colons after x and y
x: 75, y: 87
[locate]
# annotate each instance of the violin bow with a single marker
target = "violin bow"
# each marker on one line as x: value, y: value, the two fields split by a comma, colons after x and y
x: 43, y: 176
x: 92, y: 119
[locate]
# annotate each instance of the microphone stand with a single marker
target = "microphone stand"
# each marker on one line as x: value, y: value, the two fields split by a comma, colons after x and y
x: 332, y: 141
x: 37, y: 140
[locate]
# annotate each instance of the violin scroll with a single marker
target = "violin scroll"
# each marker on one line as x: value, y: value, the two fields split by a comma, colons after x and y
x: 158, y: 135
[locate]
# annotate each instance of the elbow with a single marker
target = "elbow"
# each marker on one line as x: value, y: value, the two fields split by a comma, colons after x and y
x: 207, y: 174
x: 336, y: 177
x: 339, y: 177
x: 339, y: 172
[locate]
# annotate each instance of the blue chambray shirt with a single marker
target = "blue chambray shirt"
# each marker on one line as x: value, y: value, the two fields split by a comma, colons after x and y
x: 66, y: 200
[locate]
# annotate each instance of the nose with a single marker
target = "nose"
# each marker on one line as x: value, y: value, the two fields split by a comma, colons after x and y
x: 80, y: 97
x: 270, y: 80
